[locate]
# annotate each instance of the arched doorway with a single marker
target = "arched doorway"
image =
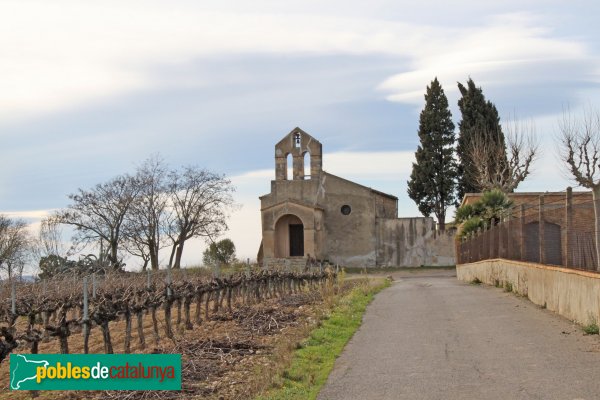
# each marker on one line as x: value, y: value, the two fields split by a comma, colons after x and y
x: 289, y: 237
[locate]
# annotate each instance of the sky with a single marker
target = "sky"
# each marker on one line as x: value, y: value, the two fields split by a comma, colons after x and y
x: 89, y: 90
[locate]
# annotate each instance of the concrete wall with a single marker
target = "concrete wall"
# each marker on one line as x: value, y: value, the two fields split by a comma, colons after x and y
x: 570, y: 293
x: 413, y: 242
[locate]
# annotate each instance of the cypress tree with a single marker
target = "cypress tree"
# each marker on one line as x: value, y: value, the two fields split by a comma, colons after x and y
x: 433, y: 179
x: 480, y: 120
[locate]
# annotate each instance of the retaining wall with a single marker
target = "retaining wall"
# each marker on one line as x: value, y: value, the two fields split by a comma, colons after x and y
x: 570, y: 293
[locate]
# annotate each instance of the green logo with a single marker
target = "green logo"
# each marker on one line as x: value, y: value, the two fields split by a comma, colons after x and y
x: 95, y: 371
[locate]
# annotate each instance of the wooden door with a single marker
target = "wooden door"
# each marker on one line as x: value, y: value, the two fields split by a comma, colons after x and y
x: 296, y: 240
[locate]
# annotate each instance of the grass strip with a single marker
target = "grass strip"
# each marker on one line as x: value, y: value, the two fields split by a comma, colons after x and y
x: 313, y: 361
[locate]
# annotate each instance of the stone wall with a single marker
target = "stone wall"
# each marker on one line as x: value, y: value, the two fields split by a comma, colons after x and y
x: 570, y: 293
x: 413, y: 242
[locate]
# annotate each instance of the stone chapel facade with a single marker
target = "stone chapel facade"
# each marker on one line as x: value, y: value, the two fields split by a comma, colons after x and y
x: 312, y: 213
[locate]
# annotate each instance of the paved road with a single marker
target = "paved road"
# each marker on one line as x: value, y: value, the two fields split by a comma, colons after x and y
x: 430, y: 336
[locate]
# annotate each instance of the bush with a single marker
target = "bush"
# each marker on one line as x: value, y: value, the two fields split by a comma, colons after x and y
x: 470, y: 226
x: 486, y: 211
x: 592, y: 329
x: 221, y: 252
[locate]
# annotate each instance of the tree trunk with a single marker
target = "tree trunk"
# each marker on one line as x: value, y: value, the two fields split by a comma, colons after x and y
x: 206, y: 301
x: 168, y: 328
x: 108, y: 349
x: 86, y: 336
x: 63, y: 330
x: 596, y: 198
x: 186, y: 309
x: 441, y: 222
x: 155, y: 325
x: 114, y: 255
x: 216, y: 302
x: 229, y: 290
x: 45, y: 318
x: 198, y: 308
x: 178, y: 255
x: 153, y: 256
x: 64, y: 343
x: 127, y: 343
x: 140, y: 329
x: 172, y: 256
x: 178, y: 303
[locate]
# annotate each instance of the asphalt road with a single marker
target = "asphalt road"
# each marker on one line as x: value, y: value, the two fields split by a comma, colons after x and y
x: 430, y: 336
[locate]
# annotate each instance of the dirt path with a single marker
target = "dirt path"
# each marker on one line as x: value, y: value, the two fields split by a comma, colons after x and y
x: 430, y: 336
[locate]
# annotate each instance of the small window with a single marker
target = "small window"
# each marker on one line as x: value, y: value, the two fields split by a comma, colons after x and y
x: 346, y: 209
x: 297, y: 140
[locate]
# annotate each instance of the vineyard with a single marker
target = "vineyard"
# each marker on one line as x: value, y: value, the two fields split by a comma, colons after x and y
x: 215, y: 323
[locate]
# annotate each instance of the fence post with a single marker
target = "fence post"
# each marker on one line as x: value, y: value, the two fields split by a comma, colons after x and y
x: 474, y: 246
x: 248, y: 268
x: 508, y: 235
x: 499, y: 244
x: 93, y: 285
x: 492, y: 239
x: 148, y: 279
x: 542, y: 226
x: 522, y: 233
x: 479, y: 244
x: 569, y: 259
x: 85, y: 312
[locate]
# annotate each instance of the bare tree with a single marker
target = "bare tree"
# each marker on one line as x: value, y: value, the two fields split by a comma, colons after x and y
x: 15, y: 246
x: 200, y: 201
x: 49, y: 240
x: 146, y: 220
x: 504, y: 167
x: 579, y: 145
x: 137, y: 248
x: 99, y: 213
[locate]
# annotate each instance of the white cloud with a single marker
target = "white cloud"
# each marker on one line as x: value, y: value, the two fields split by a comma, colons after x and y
x: 27, y: 214
x: 64, y: 53
x: 369, y: 165
x: 59, y: 54
x: 509, y: 50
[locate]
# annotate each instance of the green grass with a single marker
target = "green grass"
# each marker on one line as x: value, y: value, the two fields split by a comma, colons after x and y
x: 313, y: 360
x: 591, y: 329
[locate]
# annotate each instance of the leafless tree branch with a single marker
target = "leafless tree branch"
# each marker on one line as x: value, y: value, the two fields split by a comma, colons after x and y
x: 492, y: 170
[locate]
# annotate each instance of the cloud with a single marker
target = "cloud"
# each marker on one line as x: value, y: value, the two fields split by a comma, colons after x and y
x: 369, y: 165
x: 27, y: 214
x: 510, y: 50
x: 60, y: 54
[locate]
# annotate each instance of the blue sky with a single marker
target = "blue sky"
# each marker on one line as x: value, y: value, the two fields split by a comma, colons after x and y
x: 88, y: 91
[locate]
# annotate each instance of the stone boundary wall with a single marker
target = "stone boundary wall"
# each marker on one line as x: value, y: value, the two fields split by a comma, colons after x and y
x: 571, y: 293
